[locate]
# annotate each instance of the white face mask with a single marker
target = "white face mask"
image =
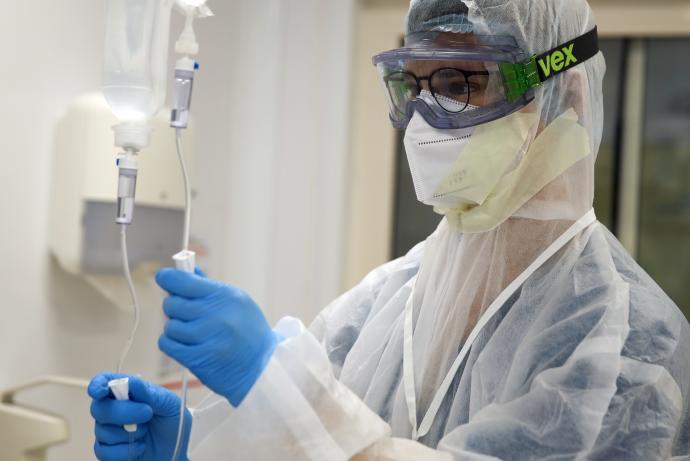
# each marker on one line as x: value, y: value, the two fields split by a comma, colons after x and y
x: 479, y: 177
x: 431, y: 153
x: 444, y: 175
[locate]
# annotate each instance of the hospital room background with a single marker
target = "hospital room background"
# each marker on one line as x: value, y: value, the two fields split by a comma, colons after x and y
x: 300, y: 184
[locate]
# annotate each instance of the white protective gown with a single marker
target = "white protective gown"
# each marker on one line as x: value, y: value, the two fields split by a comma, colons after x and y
x: 540, y: 339
x: 589, y: 359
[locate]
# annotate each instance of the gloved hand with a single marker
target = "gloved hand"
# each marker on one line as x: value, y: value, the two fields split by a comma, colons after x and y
x: 216, y: 331
x: 155, y: 411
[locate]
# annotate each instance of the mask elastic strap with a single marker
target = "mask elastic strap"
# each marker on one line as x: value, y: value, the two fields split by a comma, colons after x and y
x: 520, y: 78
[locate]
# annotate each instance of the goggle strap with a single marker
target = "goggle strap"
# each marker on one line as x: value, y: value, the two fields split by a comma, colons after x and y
x: 520, y: 78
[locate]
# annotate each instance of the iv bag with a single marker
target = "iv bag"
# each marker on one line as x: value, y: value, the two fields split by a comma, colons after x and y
x: 135, y: 57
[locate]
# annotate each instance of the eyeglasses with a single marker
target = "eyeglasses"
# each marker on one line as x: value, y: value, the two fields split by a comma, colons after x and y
x: 451, y: 88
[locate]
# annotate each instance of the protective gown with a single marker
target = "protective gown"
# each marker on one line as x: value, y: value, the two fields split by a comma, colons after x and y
x: 538, y: 339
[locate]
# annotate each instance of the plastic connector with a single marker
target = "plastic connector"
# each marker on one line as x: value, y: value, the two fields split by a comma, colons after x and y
x: 187, y: 43
x: 132, y: 135
x: 185, y: 261
x: 120, y: 389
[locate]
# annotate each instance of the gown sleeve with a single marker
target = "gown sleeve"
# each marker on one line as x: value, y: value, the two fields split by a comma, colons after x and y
x: 298, y: 410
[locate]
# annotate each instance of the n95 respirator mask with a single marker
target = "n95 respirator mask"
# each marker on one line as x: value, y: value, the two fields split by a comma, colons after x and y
x: 452, y: 168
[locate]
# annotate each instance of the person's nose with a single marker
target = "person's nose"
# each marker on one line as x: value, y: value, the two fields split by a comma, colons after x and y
x: 424, y: 84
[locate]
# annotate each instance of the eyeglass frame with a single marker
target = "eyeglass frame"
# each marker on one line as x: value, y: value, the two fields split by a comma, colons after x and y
x: 418, y: 80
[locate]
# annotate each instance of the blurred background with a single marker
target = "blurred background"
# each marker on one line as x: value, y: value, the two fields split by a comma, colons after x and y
x: 301, y: 186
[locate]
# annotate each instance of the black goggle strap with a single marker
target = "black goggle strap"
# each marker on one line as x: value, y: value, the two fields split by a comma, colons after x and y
x: 520, y: 78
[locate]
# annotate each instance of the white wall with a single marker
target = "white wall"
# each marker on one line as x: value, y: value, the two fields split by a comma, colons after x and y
x: 271, y: 108
x: 53, y: 58
x: 379, y: 27
x: 286, y: 90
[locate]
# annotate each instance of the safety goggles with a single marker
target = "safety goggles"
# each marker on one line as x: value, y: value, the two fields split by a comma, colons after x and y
x: 456, y: 83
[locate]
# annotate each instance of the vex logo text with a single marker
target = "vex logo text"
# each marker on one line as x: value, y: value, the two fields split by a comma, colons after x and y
x: 558, y: 60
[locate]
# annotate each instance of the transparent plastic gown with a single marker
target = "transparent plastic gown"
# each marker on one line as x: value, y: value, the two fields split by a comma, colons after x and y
x: 588, y: 361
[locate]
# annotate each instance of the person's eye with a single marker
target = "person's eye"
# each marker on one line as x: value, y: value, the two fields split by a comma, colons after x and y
x: 475, y: 87
x: 457, y: 88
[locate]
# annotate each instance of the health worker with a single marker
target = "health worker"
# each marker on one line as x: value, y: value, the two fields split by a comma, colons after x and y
x: 519, y: 330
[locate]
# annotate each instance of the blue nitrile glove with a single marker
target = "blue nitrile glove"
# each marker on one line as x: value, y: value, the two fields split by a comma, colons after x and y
x: 216, y: 331
x: 155, y: 411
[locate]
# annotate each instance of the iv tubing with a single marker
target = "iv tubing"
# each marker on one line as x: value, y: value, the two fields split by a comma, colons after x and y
x: 185, y: 246
x: 187, y: 190
x: 133, y: 295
